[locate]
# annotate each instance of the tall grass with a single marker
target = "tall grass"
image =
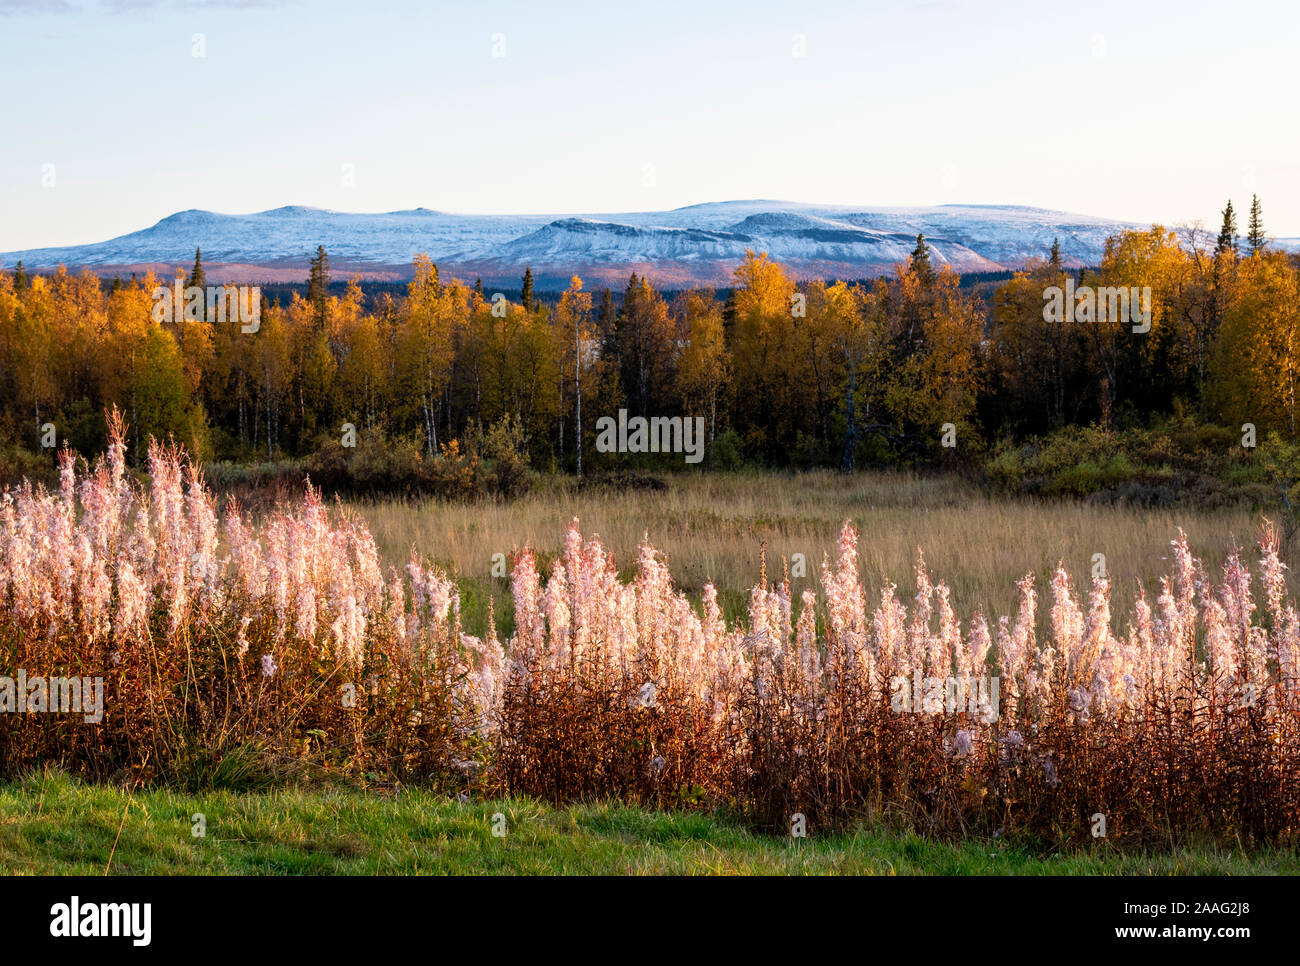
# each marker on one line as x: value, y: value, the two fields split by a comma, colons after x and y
x: 711, y: 528
x: 214, y: 638
x: 1187, y: 722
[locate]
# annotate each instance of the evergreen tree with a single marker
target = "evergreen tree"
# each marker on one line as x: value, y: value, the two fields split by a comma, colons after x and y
x: 607, y: 323
x: 608, y: 316
x: 196, y: 276
x: 20, y: 277
x: 1055, y: 259
x: 921, y: 260
x: 478, y: 286
x: 527, y: 296
x: 318, y: 285
x: 1228, y: 233
x: 1255, y: 229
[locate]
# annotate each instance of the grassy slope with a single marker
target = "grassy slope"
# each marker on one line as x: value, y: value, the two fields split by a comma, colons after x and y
x: 55, y: 825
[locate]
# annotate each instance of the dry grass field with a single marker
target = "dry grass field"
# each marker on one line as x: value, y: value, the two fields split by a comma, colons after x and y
x: 712, y: 527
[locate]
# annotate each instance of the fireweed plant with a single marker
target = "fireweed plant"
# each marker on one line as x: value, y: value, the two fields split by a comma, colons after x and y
x: 218, y: 640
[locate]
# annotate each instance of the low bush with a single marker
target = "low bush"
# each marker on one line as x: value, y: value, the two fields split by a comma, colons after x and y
x: 1179, y: 460
x: 18, y: 464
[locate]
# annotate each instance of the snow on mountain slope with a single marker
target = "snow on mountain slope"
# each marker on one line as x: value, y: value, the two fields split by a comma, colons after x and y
x: 291, y: 233
x: 606, y: 240
x: 696, y: 244
x: 788, y: 235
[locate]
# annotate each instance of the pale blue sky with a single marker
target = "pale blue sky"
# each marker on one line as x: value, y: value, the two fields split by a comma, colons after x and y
x: 1143, y: 111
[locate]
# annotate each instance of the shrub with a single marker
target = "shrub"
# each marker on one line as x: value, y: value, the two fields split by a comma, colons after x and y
x: 727, y: 451
x: 376, y: 466
x: 18, y: 464
x: 381, y: 466
x: 1179, y: 459
x: 506, y: 451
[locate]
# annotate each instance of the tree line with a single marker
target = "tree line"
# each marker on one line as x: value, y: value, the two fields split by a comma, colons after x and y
x: 905, y: 368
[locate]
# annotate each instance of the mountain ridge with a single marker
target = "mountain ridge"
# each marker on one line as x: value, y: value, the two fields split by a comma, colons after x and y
x: 696, y: 244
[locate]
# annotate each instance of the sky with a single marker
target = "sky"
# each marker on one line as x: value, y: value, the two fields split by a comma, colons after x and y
x: 121, y: 112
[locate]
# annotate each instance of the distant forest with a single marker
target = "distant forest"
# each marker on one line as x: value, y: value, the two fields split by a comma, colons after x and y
x: 918, y: 367
x: 283, y: 292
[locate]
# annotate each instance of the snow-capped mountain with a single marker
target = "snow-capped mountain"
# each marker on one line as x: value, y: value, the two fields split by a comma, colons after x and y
x: 699, y: 244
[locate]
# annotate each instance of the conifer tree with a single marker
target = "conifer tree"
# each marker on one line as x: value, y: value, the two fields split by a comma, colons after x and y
x: 1228, y: 232
x: 526, y: 298
x: 1055, y: 259
x: 20, y: 277
x: 1255, y: 229
x: 318, y: 284
x: 608, y: 317
x: 921, y: 260
x: 197, y: 277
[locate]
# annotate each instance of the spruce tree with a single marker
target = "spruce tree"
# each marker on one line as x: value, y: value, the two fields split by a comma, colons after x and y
x: 921, y: 260
x: 607, y: 321
x: 527, y: 296
x: 1055, y: 259
x: 1228, y: 233
x: 607, y: 313
x: 1255, y: 229
x: 20, y: 277
x: 318, y: 284
x: 196, y: 276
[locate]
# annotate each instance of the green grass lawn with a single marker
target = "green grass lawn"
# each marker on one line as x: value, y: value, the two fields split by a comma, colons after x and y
x: 53, y: 824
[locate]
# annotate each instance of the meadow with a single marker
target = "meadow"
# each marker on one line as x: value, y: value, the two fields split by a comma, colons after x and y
x: 713, y: 526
